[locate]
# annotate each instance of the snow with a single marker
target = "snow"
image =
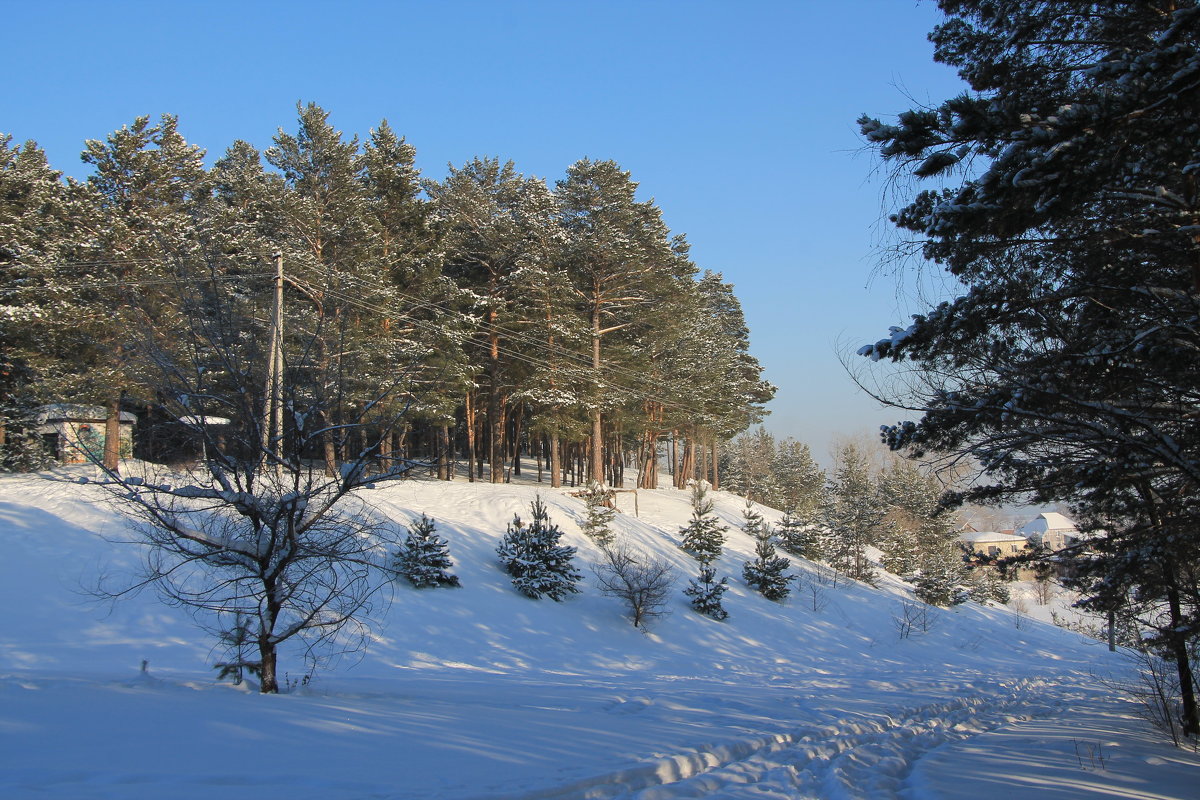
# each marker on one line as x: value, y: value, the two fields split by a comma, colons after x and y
x: 1047, y: 521
x: 479, y: 692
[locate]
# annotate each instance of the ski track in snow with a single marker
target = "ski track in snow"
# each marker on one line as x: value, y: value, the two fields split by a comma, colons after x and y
x: 857, y: 757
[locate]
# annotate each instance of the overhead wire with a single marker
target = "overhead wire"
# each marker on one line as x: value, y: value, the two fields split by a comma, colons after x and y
x: 570, y: 362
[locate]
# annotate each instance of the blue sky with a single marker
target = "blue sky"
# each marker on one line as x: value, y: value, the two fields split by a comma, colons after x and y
x: 737, y: 118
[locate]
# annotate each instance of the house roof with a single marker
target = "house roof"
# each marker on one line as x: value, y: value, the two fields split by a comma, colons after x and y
x: 981, y: 537
x: 1049, y: 521
x: 56, y: 412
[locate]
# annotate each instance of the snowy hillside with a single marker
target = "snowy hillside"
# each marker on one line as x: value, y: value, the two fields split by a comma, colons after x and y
x: 480, y: 692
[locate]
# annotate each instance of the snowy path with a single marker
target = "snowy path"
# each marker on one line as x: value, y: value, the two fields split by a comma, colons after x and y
x: 864, y: 755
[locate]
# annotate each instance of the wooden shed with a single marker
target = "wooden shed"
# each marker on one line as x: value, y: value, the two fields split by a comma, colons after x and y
x: 74, y: 434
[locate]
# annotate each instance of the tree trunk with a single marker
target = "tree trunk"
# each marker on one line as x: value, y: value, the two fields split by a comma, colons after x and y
x: 112, y: 433
x: 538, y: 453
x: 716, y: 475
x: 385, y: 452
x: 1190, y: 719
x: 444, y: 473
x: 266, y: 655
x: 597, y: 472
x: 469, y: 420
x: 555, y: 462
x: 517, y: 416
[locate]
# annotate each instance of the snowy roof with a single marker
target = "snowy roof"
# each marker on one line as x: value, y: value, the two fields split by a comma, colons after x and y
x: 62, y: 411
x: 199, y: 420
x: 1049, y: 521
x: 976, y: 537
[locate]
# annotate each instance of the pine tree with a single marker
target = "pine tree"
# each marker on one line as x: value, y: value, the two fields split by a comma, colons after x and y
x: 424, y: 558
x: 941, y: 576
x: 767, y: 573
x: 799, y: 537
x: 34, y: 236
x: 752, y: 524
x: 852, y: 515
x: 600, y: 513
x: 497, y: 230
x: 135, y: 222
x: 538, y: 564
x: 620, y: 257
x: 1067, y: 217
x: 984, y: 583
x: 704, y: 535
x: 799, y: 482
x: 705, y: 592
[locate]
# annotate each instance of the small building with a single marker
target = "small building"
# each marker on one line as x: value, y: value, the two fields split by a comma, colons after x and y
x: 1051, y: 530
x: 74, y: 434
x: 994, y: 545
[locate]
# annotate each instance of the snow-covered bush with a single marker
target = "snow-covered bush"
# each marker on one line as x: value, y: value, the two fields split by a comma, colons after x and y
x: 799, y: 536
x: 705, y: 592
x: 531, y: 554
x: 424, y: 557
x: 600, y: 513
x: 767, y: 574
x: 984, y: 584
x: 704, y: 535
x: 642, y: 582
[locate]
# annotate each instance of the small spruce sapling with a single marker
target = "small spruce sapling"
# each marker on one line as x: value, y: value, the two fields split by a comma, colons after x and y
x: 706, y: 592
x: 704, y: 534
x: 424, y: 558
x: 239, y: 640
x: 767, y: 573
x: 531, y: 554
x: 600, y: 513
x: 753, y: 521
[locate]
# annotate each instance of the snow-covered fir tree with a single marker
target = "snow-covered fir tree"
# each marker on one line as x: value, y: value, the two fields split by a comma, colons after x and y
x: 767, y: 573
x: 538, y: 564
x: 600, y: 513
x: 424, y: 558
x: 941, y: 577
x: 799, y: 537
x: 704, y: 535
x: 705, y: 592
x: 752, y: 524
x: 799, y: 481
x: 852, y: 515
x: 984, y: 583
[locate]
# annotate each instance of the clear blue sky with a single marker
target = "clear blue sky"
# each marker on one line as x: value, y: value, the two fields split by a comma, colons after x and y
x: 736, y: 117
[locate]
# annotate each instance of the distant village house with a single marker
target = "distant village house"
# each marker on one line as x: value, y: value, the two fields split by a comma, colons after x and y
x: 74, y: 434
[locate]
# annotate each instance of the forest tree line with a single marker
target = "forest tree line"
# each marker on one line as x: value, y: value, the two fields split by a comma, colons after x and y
x: 510, y: 316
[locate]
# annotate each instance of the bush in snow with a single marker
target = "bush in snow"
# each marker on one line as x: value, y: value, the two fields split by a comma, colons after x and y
x: 238, y: 640
x: 706, y: 592
x: 539, y: 565
x: 799, y: 536
x: 704, y: 534
x: 940, y: 581
x: 767, y: 574
x: 600, y: 513
x: 643, y: 583
x: 424, y: 558
x: 753, y: 521
x: 984, y: 583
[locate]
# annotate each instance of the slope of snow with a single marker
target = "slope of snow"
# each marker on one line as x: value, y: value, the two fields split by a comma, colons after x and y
x: 479, y: 692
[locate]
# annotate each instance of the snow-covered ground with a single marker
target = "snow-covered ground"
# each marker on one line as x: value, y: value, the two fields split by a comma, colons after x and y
x: 479, y: 692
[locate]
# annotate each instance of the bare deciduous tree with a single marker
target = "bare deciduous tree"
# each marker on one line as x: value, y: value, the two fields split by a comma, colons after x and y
x: 643, y: 583
x: 259, y: 532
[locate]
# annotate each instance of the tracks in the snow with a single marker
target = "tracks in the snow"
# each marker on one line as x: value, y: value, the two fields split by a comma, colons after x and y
x: 859, y: 756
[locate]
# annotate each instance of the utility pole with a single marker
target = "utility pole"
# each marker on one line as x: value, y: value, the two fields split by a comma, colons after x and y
x: 273, y: 405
